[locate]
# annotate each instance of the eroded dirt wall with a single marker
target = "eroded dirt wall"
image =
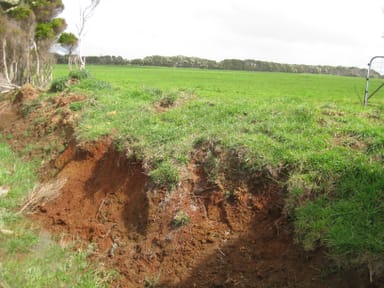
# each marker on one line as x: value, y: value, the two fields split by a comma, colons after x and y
x: 229, y: 233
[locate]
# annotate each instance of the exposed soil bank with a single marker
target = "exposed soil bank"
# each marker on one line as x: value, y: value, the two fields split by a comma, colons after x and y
x: 233, y: 237
x: 230, y: 234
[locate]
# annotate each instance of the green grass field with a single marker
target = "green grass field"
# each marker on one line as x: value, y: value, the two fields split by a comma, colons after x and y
x: 313, y: 126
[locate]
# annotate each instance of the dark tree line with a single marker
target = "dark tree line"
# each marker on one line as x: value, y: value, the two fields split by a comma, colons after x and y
x: 227, y: 64
x: 97, y: 60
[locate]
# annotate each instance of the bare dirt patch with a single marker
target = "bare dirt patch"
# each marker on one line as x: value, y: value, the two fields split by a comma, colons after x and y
x: 26, y: 93
x: 230, y: 233
x: 232, y: 236
x: 38, y: 128
x: 173, y: 100
x: 7, y: 115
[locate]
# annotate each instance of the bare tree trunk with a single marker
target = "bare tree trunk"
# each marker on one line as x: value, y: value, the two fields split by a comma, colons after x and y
x: 73, y: 61
x: 37, y: 80
x: 5, y: 87
x: 80, y: 59
x: 15, y: 68
x: 5, y: 61
x: 85, y: 14
x: 70, y: 62
x: 11, y: 73
x: 82, y: 62
x: 29, y: 66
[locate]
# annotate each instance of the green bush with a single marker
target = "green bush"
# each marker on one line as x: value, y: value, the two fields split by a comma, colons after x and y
x: 20, y: 13
x: 168, y: 99
x: 59, y: 84
x: 44, y: 31
x: 79, y: 74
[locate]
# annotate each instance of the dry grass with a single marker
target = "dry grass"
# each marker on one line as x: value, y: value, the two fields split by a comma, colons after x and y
x: 43, y: 194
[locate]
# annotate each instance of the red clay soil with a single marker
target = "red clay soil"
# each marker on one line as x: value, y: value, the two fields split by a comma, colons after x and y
x: 237, y: 239
x: 234, y: 234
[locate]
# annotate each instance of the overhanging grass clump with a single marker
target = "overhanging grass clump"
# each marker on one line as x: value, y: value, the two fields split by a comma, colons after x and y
x: 165, y: 174
x: 311, y: 127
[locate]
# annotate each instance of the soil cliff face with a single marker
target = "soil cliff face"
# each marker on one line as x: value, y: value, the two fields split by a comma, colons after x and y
x: 228, y: 233
x: 198, y: 235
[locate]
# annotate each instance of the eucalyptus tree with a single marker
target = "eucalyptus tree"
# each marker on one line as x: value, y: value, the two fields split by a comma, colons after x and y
x: 69, y: 42
x: 28, y: 29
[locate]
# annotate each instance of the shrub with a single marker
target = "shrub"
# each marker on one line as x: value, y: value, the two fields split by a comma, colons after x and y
x: 168, y: 99
x: 44, y: 31
x: 79, y: 74
x: 20, y: 13
x: 59, y: 84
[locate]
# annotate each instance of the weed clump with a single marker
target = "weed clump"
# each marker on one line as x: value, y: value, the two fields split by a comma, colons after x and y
x: 76, y: 106
x: 79, y: 74
x: 29, y: 107
x: 74, y: 77
x: 181, y: 218
x: 151, y: 282
x: 165, y: 175
x: 59, y: 85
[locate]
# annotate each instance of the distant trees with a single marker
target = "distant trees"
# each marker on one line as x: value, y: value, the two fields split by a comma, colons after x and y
x: 227, y: 64
x: 27, y: 31
x: 180, y: 61
x: 97, y: 60
x: 247, y: 65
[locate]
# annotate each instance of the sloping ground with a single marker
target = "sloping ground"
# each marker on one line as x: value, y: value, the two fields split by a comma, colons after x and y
x: 200, y: 234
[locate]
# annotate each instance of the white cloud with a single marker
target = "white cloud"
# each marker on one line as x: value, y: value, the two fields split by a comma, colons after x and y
x: 312, y: 32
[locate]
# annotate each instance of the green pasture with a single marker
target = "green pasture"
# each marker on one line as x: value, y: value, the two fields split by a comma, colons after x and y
x: 313, y: 127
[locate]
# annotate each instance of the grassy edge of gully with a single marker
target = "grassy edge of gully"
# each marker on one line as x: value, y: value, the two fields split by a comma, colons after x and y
x: 311, y: 127
x: 28, y: 256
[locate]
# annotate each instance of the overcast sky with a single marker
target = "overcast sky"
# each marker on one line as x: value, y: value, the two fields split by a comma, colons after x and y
x: 327, y: 32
